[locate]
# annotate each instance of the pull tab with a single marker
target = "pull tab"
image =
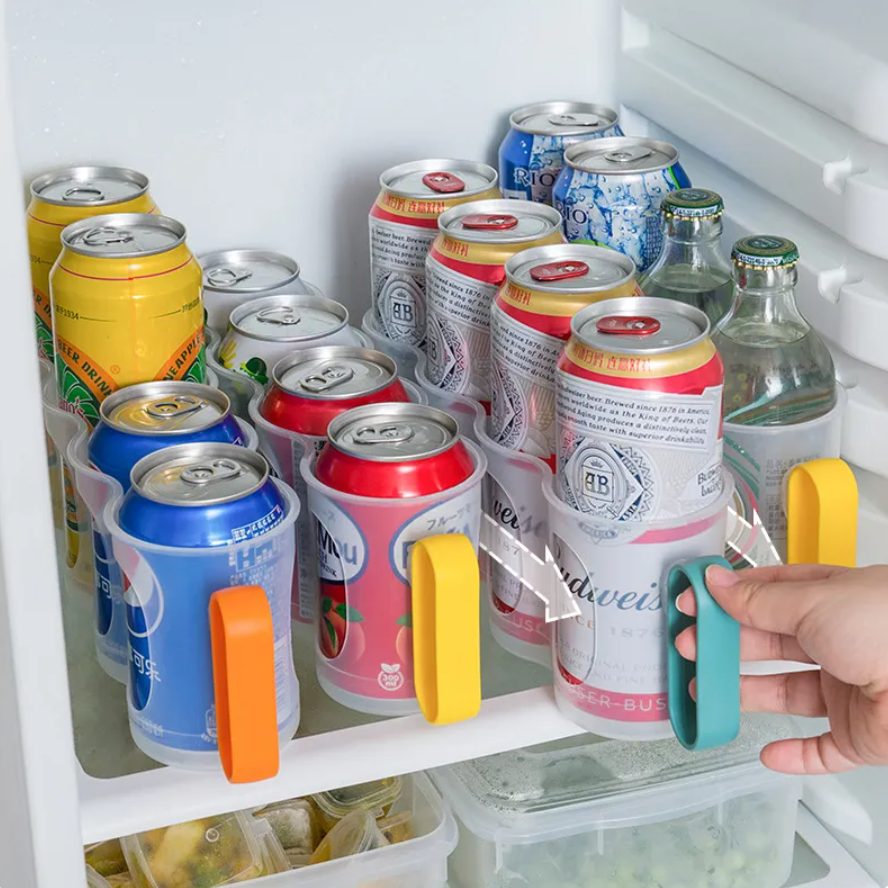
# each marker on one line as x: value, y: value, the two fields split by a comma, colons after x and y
x: 102, y: 237
x: 284, y: 315
x: 628, y: 326
x: 490, y: 222
x: 210, y: 473
x: 443, y: 183
x: 627, y: 155
x: 575, y: 120
x: 227, y: 277
x: 389, y: 433
x: 330, y: 376
x: 559, y: 271
x: 84, y: 193
x: 242, y: 637
x: 181, y: 405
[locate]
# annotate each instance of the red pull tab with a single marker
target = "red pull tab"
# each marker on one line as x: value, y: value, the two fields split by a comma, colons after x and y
x: 628, y: 325
x: 559, y: 271
x: 490, y: 221
x: 444, y: 183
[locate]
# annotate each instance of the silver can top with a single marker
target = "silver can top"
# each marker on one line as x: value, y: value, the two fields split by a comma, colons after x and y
x: 563, y: 119
x: 200, y: 474
x: 334, y: 372
x: 89, y: 186
x: 123, y: 235
x: 289, y: 317
x: 438, y: 178
x: 500, y: 221
x: 621, y: 155
x: 570, y: 268
x: 247, y: 271
x: 640, y: 325
x: 393, y: 432
x: 166, y: 407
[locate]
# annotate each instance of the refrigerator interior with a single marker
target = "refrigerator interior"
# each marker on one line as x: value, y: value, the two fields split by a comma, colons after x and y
x: 266, y: 125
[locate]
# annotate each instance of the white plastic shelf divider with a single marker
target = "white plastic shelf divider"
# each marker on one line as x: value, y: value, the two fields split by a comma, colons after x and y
x: 816, y: 849
x: 803, y: 156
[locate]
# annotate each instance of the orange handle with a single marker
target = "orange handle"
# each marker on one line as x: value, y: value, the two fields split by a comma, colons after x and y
x: 243, y: 674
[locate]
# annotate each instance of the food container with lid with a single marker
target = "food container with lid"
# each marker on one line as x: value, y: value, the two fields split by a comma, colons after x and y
x: 375, y: 796
x: 607, y: 813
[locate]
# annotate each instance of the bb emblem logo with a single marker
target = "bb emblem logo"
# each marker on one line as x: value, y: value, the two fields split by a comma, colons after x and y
x: 598, y: 479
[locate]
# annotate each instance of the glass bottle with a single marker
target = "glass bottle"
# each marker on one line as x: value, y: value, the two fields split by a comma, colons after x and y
x: 778, y: 371
x: 691, y: 267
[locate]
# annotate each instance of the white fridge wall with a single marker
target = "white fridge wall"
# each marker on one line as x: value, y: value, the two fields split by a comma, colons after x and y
x: 268, y: 124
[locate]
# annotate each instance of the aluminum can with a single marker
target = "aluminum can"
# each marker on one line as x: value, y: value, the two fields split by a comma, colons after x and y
x: 529, y: 324
x: 189, y: 497
x: 65, y: 196
x: 638, y: 411
x: 403, y: 224
x: 126, y: 308
x: 263, y: 331
x: 406, y: 475
x: 233, y: 277
x: 532, y: 153
x: 464, y: 268
x: 609, y: 194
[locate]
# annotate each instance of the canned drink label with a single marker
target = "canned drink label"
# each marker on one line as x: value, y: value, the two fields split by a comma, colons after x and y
x: 111, y: 632
x: 522, y: 379
x: 305, y: 597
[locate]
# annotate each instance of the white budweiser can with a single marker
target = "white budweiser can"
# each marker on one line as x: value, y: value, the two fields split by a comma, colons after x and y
x: 465, y: 266
x: 529, y: 324
x: 403, y: 224
x: 639, y: 411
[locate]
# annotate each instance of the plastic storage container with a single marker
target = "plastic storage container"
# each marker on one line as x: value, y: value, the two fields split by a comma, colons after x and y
x: 375, y: 797
x: 604, y: 813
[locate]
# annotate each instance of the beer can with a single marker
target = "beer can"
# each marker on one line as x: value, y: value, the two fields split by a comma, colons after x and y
x: 65, y: 196
x: 403, y: 224
x: 310, y: 388
x: 263, y: 331
x: 638, y: 411
x: 609, y: 194
x: 233, y: 277
x: 126, y: 309
x: 532, y: 154
x: 529, y: 324
x: 463, y: 270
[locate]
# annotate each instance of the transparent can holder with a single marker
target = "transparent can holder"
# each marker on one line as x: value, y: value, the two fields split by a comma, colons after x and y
x: 364, y: 652
x: 760, y: 458
x: 285, y: 450
x: 170, y: 689
x: 609, y: 662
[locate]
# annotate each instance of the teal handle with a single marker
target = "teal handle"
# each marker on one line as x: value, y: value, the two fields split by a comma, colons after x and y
x: 714, y: 719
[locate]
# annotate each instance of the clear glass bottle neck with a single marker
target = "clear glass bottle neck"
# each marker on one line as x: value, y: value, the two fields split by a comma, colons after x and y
x: 692, y: 231
x: 692, y: 242
x: 765, y: 295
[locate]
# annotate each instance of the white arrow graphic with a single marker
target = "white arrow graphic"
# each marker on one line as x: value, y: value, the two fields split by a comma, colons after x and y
x: 541, y: 577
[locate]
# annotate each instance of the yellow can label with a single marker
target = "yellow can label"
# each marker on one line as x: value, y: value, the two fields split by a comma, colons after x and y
x: 72, y: 519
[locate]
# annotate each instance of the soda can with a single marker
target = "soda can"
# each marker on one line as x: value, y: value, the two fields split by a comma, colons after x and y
x: 463, y: 270
x: 65, y: 196
x: 609, y: 194
x: 532, y: 153
x: 233, y: 277
x: 390, y: 474
x: 186, y: 504
x: 638, y: 411
x: 263, y: 331
x: 126, y: 309
x: 529, y: 324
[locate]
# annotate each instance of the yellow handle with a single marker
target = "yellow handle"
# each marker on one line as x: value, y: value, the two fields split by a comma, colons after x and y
x: 821, y: 510
x: 446, y: 631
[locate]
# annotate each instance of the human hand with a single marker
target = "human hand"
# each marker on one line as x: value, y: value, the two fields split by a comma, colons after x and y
x: 834, y: 617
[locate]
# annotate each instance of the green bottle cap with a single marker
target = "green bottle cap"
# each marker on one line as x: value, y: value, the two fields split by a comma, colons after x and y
x: 765, y: 251
x: 692, y: 203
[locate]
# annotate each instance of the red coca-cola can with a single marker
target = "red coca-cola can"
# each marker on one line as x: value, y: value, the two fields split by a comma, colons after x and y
x: 394, y: 450
x: 310, y: 388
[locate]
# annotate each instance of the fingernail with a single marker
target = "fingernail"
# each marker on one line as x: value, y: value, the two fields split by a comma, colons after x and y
x: 720, y: 576
x: 683, y: 602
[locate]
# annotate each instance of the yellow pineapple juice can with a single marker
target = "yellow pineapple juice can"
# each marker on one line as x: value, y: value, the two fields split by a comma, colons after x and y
x: 126, y: 308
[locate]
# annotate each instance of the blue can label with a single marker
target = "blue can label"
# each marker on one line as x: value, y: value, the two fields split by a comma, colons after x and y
x: 110, y: 622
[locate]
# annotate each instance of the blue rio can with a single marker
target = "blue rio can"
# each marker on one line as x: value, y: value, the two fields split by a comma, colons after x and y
x: 201, y: 517
x: 609, y: 194
x: 532, y: 154
x: 134, y: 422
